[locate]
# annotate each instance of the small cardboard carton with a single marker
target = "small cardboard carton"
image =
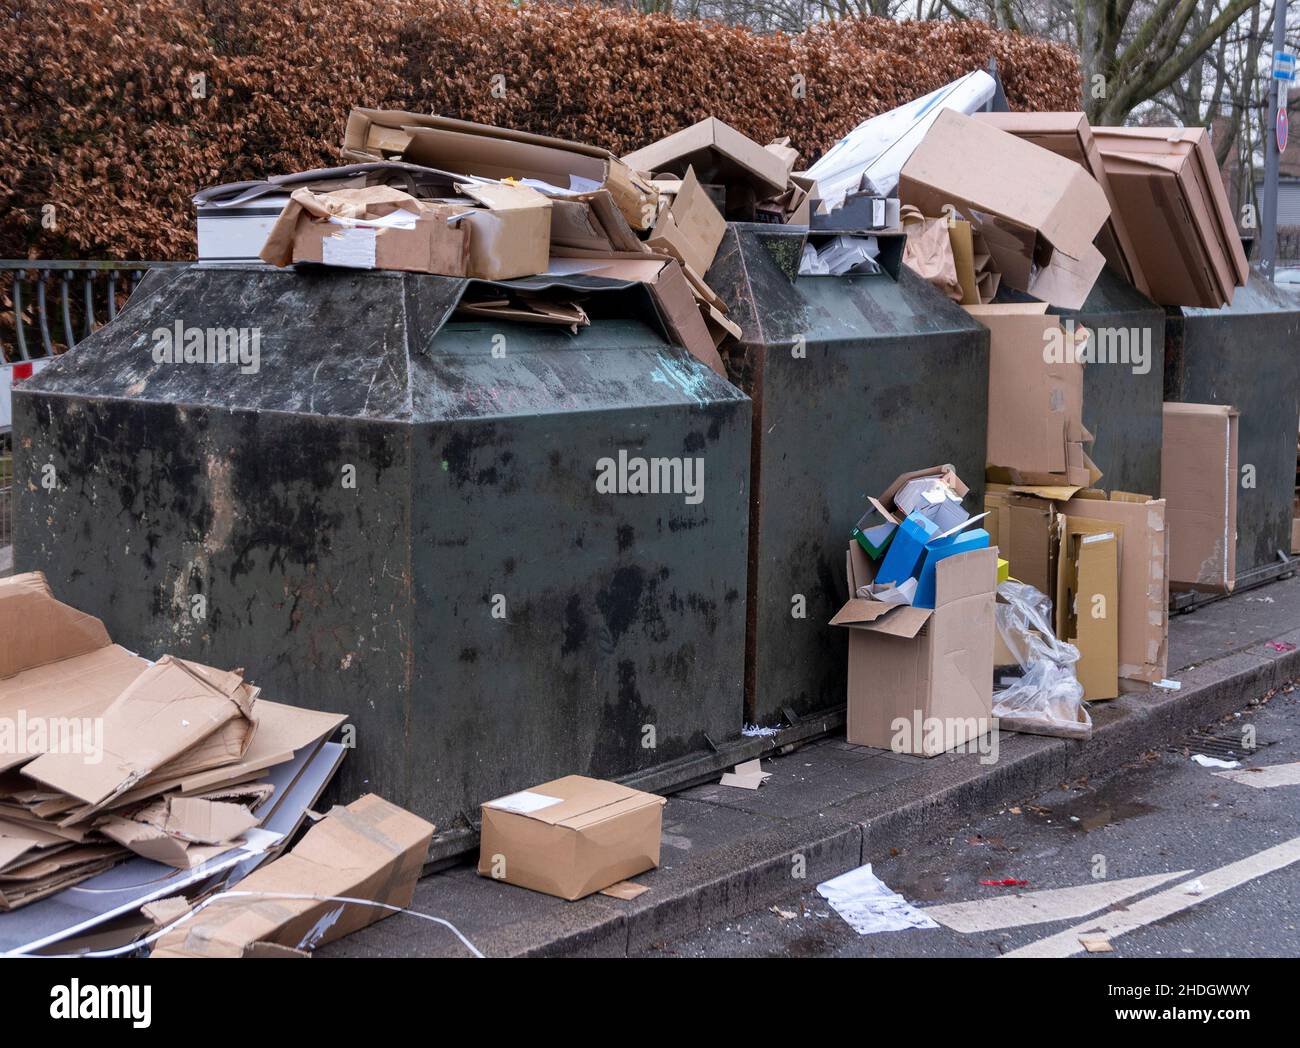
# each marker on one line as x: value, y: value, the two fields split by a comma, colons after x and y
x: 1035, y: 418
x: 565, y: 170
x: 370, y: 850
x: 1198, y: 481
x: 570, y: 837
x: 1038, y: 212
x: 1069, y: 135
x: 718, y: 153
x: 1087, y: 602
x: 372, y: 228
x: 1143, y: 580
x: 921, y: 681
x: 1171, y: 198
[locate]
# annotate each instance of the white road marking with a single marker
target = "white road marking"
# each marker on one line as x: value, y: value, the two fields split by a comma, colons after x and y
x: 1166, y: 903
x: 1042, y: 907
x: 1266, y: 777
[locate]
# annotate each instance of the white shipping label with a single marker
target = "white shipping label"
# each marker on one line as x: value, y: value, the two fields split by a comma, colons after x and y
x: 354, y: 248
x: 524, y: 802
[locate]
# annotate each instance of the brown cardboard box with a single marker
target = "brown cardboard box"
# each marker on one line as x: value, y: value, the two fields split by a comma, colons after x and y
x: 1087, y: 601
x: 1198, y: 481
x: 350, y: 227
x: 689, y: 228
x: 921, y: 681
x: 1038, y: 212
x: 369, y: 850
x: 570, y: 837
x: 718, y: 153
x: 1070, y: 136
x: 1143, y: 580
x: 1035, y: 417
x: 497, y: 152
x: 1172, y: 200
x: 1023, y: 527
x: 510, y: 234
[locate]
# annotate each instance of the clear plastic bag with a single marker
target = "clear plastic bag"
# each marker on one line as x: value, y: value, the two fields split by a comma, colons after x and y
x: 1048, y: 698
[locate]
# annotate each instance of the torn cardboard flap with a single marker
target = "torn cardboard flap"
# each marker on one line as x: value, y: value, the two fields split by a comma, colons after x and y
x: 36, y: 629
x: 1086, y: 600
x: 690, y: 228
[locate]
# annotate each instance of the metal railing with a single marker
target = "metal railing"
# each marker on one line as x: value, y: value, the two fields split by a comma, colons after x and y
x: 48, y: 306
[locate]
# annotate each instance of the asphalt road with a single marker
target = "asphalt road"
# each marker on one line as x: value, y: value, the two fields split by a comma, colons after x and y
x: 1162, y: 814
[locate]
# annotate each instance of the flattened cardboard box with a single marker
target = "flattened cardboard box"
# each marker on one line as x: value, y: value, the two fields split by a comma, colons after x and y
x: 1024, y: 530
x: 1171, y: 198
x: 570, y: 837
x: 369, y: 850
x: 921, y: 681
x: 55, y: 661
x: 1143, y: 580
x: 1198, y: 481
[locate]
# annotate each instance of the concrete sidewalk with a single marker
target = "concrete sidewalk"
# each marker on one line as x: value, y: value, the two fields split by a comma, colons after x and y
x: 830, y: 806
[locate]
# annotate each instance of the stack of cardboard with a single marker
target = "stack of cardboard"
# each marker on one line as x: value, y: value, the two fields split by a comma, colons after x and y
x: 1171, y: 198
x: 920, y: 611
x: 105, y: 755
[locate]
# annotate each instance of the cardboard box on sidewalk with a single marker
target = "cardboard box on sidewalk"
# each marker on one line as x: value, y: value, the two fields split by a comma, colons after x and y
x: 1038, y: 212
x: 1069, y: 135
x: 1172, y: 200
x: 1143, y: 580
x: 570, y: 837
x: 1035, y: 418
x: 921, y: 681
x: 1198, y: 481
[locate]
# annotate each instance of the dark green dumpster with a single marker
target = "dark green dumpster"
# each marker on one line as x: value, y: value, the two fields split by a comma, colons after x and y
x: 1247, y: 355
x: 854, y: 380
x: 508, y: 552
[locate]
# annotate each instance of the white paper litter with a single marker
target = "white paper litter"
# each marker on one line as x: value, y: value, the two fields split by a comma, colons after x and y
x: 753, y: 731
x: 877, y: 149
x: 524, y: 802
x: 1214, y: 762
x: 868, y: 905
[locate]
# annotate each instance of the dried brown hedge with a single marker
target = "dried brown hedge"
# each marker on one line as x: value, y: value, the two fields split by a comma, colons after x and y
x: 97, y: 118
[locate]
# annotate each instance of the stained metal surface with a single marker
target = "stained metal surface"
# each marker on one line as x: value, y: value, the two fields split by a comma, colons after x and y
x: 854, y: 380
x: 1248, y: 355
x: 618, y: 635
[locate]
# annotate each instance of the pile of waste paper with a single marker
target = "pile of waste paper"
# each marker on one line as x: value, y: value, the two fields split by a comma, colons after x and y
x: 133, y: 781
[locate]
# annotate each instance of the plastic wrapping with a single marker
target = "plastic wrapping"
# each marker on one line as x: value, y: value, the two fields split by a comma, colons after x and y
x: 1048, y: 698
